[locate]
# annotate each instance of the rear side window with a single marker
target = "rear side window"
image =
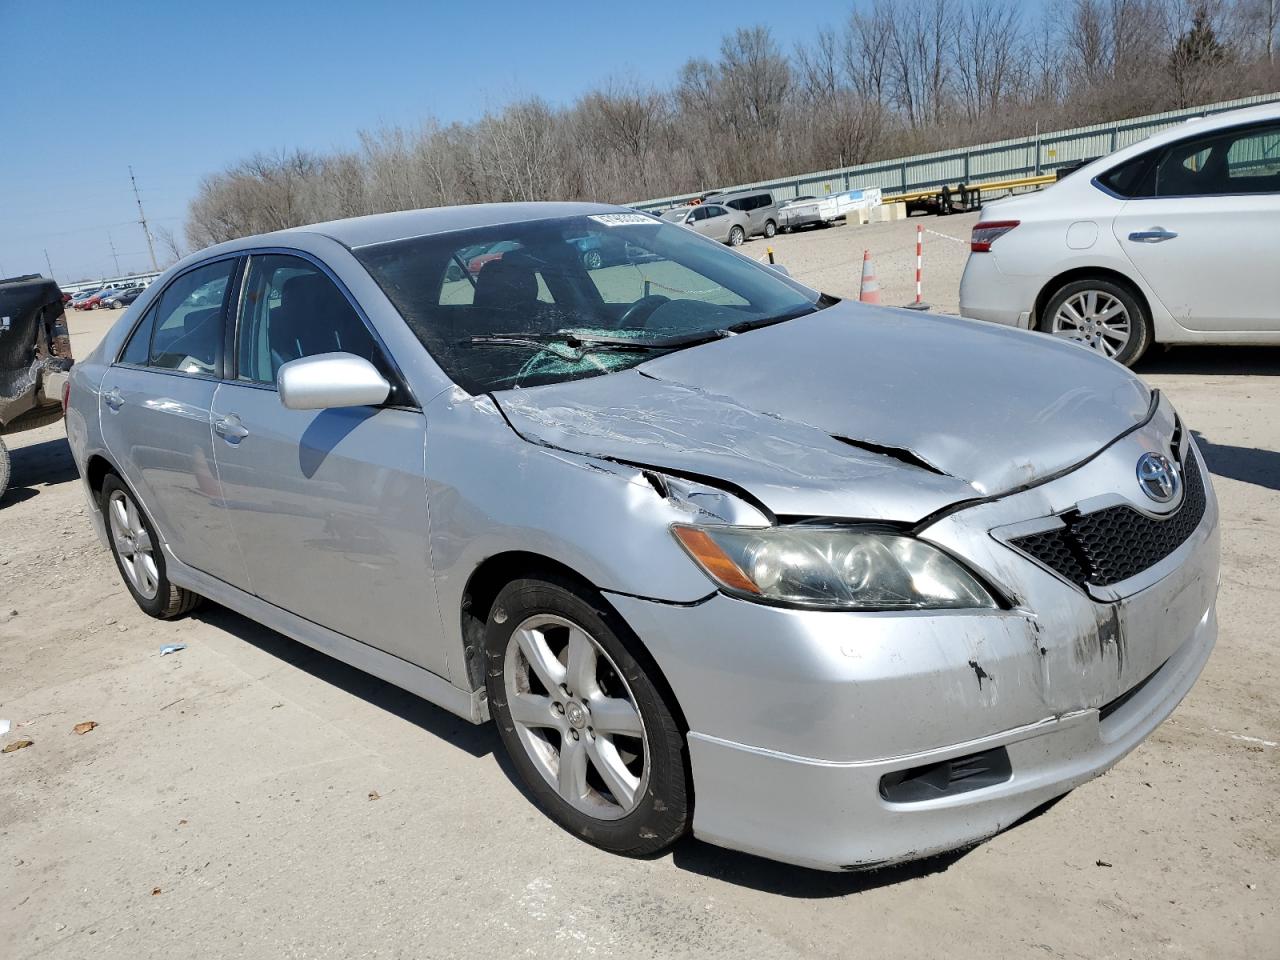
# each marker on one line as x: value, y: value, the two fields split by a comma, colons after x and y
x: 189, y: 323
x: 1242, y: 161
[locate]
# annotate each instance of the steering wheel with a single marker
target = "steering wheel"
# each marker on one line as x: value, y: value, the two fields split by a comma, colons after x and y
x: 634, y: 317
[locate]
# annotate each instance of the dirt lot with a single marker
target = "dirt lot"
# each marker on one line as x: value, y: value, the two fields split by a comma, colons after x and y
x: 247, y: 797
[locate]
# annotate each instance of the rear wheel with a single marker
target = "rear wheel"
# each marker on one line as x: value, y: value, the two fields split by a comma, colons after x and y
x: 770, y: 228
x: 1101, y: 314
x: 736, y: 236
x: 593, y: 259
x: 138, y: 554
x: 582, y: 720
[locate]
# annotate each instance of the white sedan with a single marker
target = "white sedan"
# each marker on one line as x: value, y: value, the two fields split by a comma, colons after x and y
x: 1170, y: 240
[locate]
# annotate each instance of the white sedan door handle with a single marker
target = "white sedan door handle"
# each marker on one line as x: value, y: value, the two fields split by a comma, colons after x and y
x: 1154, y: 235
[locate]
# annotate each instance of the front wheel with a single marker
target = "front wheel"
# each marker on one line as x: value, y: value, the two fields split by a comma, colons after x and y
x: 582, y: 720
x: 770, y: 228
x: 736, y: 236
x: 1102, y: 315
x: 139, y: 556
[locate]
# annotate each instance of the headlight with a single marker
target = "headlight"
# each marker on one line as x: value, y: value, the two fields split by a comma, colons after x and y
x: 843, y: 568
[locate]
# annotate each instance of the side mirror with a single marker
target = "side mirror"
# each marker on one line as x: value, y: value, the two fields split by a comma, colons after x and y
x: 779, y: 268
x: 329, y: 380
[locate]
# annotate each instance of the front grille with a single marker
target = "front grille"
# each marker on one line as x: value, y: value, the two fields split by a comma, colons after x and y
x: 1111, y: 545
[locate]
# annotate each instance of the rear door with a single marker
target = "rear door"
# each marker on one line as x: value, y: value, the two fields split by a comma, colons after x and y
x: 329, y: 505
x: 155, y: 403
x: 1204, y: 231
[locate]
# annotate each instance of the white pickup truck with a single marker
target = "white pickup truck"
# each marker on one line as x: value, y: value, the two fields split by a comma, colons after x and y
x: 824, y: 211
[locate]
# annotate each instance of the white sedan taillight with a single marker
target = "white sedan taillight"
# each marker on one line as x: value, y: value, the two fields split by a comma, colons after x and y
x: 988, y: 232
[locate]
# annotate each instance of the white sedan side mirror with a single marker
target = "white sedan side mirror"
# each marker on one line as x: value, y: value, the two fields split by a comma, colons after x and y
x: 329, y: 380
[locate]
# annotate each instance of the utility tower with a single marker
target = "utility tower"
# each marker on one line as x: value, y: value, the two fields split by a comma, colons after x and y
x: 142, y: 219
x: 112, y: 244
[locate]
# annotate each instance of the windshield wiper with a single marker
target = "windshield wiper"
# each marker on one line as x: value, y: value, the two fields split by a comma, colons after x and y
x: 585, y: 342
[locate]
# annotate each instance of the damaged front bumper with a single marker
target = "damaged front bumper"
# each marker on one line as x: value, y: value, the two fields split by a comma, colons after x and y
x: 850, y: 740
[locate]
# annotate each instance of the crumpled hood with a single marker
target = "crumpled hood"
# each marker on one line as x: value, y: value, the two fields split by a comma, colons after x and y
x: 853, y: 411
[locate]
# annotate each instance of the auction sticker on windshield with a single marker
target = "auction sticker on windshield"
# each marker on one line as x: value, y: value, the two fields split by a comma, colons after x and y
x: 621, y: 219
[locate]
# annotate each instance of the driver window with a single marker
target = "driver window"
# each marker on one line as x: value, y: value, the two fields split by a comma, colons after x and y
x: 189, y: 321
x: 291, y: 309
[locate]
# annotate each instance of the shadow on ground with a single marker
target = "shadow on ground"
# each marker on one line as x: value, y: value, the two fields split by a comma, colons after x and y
x: 37, y: 465
x: 479, y: 741
x: 695, y: 856
x: 1246, y: 464
x: 1212, y: 361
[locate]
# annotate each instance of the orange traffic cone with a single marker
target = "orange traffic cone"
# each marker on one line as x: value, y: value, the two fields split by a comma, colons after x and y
x: 870, y: 290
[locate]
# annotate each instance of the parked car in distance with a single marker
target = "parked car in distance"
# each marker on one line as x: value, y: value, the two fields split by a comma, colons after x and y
x: 699, y: 574
x: 712, y: 220
x: 759, y: 207
x: 1170, y: 240
x: 84, y: 295
x: 93, y: 301
x: 121, y: 298
x: 35, y: 355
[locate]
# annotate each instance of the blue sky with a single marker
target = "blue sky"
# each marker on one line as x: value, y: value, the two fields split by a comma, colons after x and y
x: 179, y: 90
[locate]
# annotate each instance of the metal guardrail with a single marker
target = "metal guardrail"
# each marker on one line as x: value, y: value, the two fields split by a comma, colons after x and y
x: 979, y: 165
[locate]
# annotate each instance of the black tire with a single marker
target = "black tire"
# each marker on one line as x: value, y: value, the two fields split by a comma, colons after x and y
x: 169, y: 601
x: 736, y: 236
x: 770, y: 228
x: 4, y: 468
x: 662, y: 811
x: 1141, y: 334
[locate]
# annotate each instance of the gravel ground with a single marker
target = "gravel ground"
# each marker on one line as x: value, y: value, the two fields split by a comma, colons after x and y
x: 248, y: 797
x: 831, y: 260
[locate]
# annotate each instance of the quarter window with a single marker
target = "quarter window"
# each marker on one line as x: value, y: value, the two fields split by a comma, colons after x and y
x: 139, y: 346
x: 189, y: 321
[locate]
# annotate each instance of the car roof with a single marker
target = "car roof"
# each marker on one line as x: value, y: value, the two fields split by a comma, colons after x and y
x: 1190, y: 128
x: 385, y: 227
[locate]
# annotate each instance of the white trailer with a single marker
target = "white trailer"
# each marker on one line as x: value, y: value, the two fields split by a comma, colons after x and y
x: 824, y: 211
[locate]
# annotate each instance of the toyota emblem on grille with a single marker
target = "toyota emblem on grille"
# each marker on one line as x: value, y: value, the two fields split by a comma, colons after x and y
x: 1157, y: 477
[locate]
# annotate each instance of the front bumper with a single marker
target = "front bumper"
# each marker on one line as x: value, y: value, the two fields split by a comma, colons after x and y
x: 796, y: 717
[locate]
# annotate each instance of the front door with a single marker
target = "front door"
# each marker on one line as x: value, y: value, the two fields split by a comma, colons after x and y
x: 1204, y: 240
x: 329, y: 505
x: 155, y: 415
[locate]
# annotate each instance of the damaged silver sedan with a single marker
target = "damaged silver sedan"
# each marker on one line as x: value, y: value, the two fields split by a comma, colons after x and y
x: 833, y: 584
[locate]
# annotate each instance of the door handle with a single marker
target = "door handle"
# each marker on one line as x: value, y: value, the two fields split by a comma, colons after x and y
x: 230, y: 429
x: 1154, y: 235
x: 113, y: 398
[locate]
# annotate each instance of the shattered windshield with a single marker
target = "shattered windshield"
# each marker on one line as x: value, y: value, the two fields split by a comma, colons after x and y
x: 524, y: 304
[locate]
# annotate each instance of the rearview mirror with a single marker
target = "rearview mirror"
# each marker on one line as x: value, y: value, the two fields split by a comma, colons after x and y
x: 329, y: 380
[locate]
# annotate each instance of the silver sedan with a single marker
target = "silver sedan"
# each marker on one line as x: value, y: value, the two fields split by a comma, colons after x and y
x: 830, y: 583
x: 713, y: 220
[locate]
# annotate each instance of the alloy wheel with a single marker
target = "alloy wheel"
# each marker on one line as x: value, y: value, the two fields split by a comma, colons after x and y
x: 1095, y: 318
x: 133, y: 545
x: 576, y: 717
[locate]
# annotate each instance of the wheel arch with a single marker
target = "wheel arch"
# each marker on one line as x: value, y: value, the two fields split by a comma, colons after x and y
x: 96, y: 469
x: 496, y: 571
x: 1083, y: 273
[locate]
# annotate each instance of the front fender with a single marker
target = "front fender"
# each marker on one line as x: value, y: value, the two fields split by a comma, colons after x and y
x: 491, y: 492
